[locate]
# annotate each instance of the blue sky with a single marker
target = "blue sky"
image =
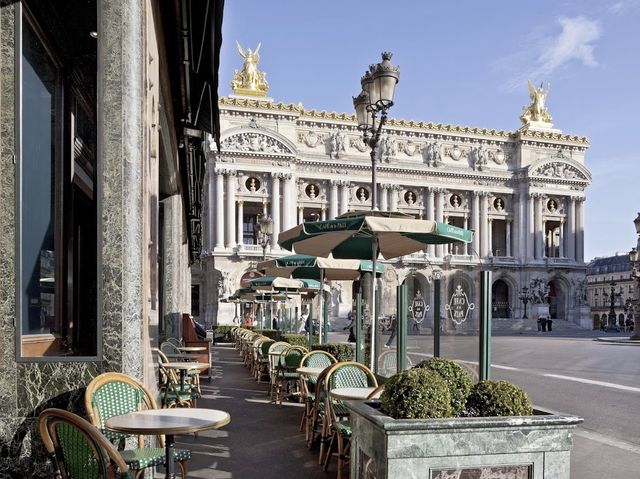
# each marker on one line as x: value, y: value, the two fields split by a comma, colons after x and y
x: 467, y: 63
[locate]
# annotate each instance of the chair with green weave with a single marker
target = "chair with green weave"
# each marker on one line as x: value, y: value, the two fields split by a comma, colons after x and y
x: 262, y: 359
x: 175, y: 341
x: 313, y: 359
x: 286, y: 374
x: 115, y: 394
x: 349, y: 374
x: 193, y: 376
x: 275, y: 350
x: 172, y: 394
x: 78, y: 449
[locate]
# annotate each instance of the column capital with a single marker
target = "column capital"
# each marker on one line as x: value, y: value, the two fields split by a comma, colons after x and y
x: 275, y: 175
x: 220, y: 171
x: 285, y: 176
x: 232, y: 173
x: 240, y: 202
x: 384, y: 186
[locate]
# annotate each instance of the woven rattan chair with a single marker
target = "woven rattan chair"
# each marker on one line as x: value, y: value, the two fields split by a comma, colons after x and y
x: 342, y: 375
x: 114, y: 394
x: 78, y: 449
x: 262, y: 361
x: 286, y: 374
x: 175, y: 341
x: 274, y: 353
x: 313, y: 359
x: 171, y: 394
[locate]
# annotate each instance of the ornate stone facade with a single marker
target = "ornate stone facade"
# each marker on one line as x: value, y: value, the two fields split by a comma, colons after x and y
x: 522, y: 193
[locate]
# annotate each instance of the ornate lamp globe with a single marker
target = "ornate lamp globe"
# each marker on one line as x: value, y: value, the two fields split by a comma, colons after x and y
x: 380, y: 82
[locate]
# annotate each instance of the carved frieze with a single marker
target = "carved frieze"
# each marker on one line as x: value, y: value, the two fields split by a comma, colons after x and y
x: 456, y: 153
x: 410, y: 147
x: 254, y: 142
x: 559, y: 169
x: 337, y: 144
x: 311, y: 138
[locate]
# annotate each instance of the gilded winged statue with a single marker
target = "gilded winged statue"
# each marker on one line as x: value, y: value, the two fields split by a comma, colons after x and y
x: 249, y: 80
x: 537, y: 111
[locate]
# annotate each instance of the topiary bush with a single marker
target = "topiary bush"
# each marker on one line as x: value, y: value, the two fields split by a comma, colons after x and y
x: 456, y: 377
x: 498, y: 398
x: 298, y: 339
x: 416, y: 394
x: 342, y: 352
x: 270, y: 333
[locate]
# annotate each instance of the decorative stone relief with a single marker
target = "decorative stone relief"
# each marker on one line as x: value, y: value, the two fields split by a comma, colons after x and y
x: 311, y: 139
x: 312, y: 191
x: 337, y: 144
x: 455, y: 200
x: 254, y: 142
x: 362, y: 194
x: 480, y: 159
x: 409, y: 147
x: 387, y: 147
x: 410, y: 197
x: 456, y: 153
x: 552, y: 206
x: 359, y: 144
x: 559, y: 169
x: 252, y: 184
x: 500, y: 157
x: 433, y: 153
x: 498, y: 204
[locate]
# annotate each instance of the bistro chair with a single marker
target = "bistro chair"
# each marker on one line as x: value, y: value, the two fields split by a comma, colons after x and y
x: 262, y: 360
x: 348, y: 374
x: 78, y: 449
x: 115, y: 394
x: 286, y: 374
x: 169, y: 347
x: 313, y: 359
x: 275, y: 350
x: 175, y: 341
x: 171, y: 392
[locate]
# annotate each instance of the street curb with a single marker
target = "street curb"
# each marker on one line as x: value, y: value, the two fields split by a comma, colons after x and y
x: 633, y: 342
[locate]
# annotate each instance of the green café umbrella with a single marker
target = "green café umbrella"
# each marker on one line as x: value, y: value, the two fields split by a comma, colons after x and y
x: 306, y: 266
x: 275, y: 283
x: 367, y: 235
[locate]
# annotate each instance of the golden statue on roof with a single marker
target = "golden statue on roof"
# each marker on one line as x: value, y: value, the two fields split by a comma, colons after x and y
x: 250, y: 80
x: 537, y: 111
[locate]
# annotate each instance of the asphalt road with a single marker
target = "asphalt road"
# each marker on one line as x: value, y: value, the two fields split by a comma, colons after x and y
x: 597, y: 381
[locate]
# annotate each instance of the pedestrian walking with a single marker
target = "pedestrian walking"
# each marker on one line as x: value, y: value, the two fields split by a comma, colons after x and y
x: 393, y: 331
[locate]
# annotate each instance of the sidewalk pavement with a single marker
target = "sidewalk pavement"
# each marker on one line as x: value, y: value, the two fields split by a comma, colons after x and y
x: 262, y: 439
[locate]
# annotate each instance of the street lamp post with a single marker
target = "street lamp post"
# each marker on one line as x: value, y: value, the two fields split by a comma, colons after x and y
x: 265, y: 230
x: 378, y: 89
x: 612, y: 322
x: 525, y: 297
x: 635, y: 274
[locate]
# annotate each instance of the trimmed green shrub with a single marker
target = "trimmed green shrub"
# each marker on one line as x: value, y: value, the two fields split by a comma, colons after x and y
x: 342, y: 352
x: 498, y: 398
x: 270, y: 333
x: 416, y: 394
x: 298, y: 339
x: 456, y: 377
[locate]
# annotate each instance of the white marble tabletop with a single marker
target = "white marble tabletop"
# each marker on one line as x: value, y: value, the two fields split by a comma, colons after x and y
x: 309, y: 371
x: 187, y: 366
x: 353, y: 393
x: 168, y: 421
x: 192, y: 349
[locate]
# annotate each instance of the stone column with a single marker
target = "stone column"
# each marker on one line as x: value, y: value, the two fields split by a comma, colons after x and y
x: 323, y: 214
x: 439, y: 198
x: 561, y: 240
x: 275, y: 208
x: 490, y: 237
x: 571, y: 228
x: 384, y: 203
x: 333, y: 200
x: 475, y: 222
x: 538, y: 228
x: 431, y: 212
x: 465, y: 247
x: 344, y: 196
x: 508, y: 238
x: 484, y: 224
x: 265, y: 208
x: 288, y: 204
x: 218, y: 211
x: 531, y: 227
x: 300, y: 214
x: 580, y: 230
x: 240, y: 224
x: 394, y: 189
x: 211, y: 211
x: 230, y: 227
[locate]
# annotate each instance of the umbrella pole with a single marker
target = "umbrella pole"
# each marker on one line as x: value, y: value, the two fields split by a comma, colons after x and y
x: 373, y: 363
x: 321, y: 316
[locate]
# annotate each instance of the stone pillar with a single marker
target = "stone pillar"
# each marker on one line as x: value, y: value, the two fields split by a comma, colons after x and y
x: 571, y: 228
x: 323, y: 214
x: 538, y: 228
x: 219, y: 210
x: 484, y: 224
x: 211, y: 211
x: 230, y: 226
x: 580, y: 230
x: 384, y: 203
x: 508, y: 238
x: 265, y: 208
x: 240, y: 224
x: 530, y: 230
x: 172, y: 306
x: 475, y: 222
x: 333, y: 200
x: 561, y: 240
x: 465, y: 247
x: 431, y: 212
x: 288, y: 203
x: 439, y: 217
x: 275, y: 209
x: 490, y: 237
x: 300, y: 214
x: 344, y: 196
x: 393, y: 202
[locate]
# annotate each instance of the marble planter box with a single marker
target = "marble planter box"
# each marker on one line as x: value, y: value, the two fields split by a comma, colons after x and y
x: 532, y: 447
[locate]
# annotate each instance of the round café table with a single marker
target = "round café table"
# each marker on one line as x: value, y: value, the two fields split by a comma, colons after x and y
x: 309, y: 371
x: 192, y: 349
x: 168, y: 422
x: 353, y: 393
